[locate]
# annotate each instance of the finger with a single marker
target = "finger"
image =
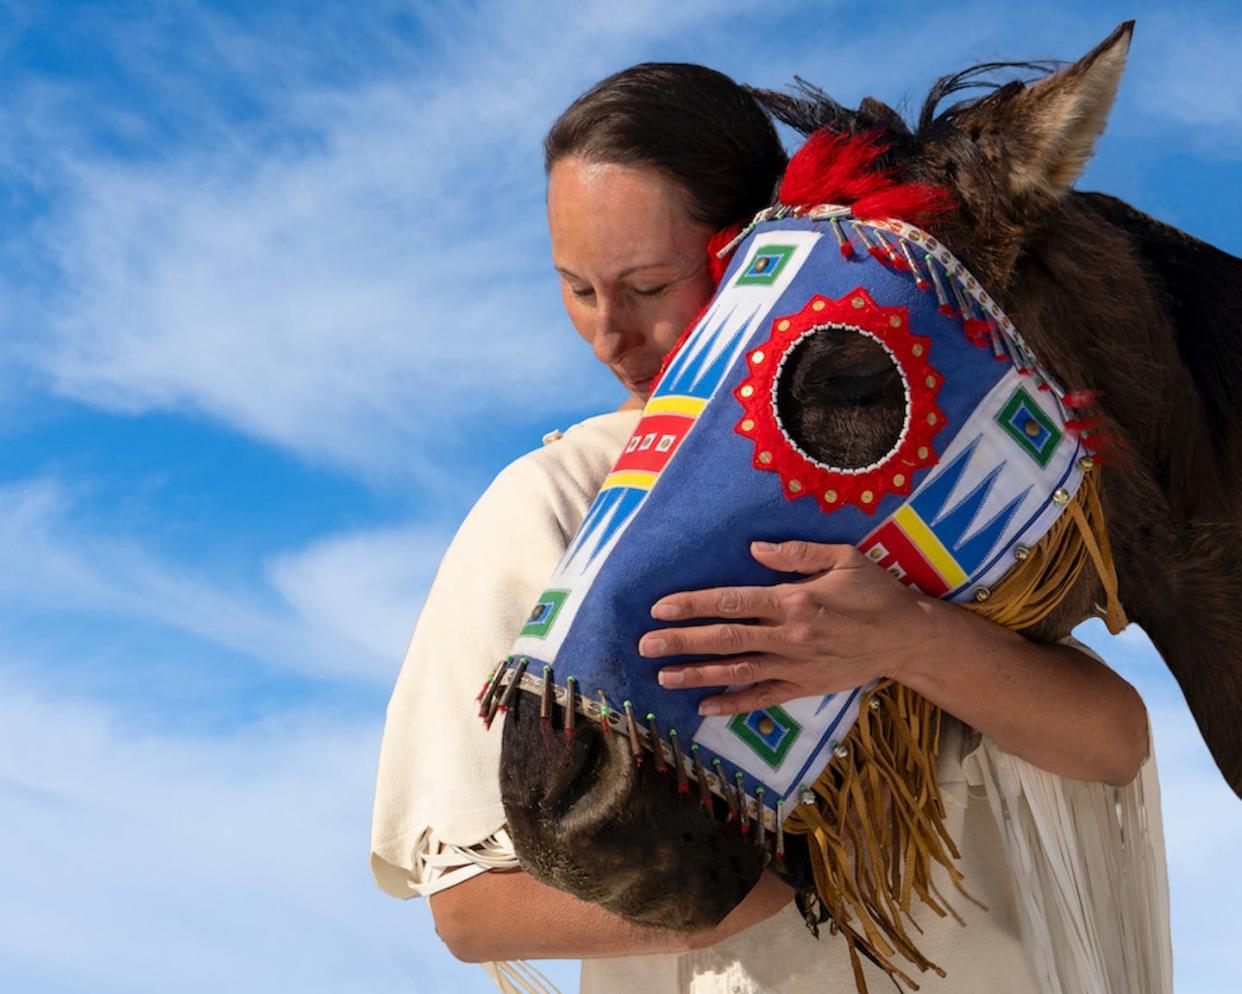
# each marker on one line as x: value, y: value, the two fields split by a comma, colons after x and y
x: 727, y: 673
x: 718, y: 602
x: 705, y: 640
x: 761, y: 695
x: 806, y: 557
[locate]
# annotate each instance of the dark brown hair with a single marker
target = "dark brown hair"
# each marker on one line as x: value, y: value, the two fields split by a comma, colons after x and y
x: 694, y: 124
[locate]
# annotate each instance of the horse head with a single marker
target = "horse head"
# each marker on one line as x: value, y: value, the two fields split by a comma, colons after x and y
x: 929, y: 347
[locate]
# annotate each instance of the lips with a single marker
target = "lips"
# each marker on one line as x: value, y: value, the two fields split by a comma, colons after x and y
x: 640, y: 383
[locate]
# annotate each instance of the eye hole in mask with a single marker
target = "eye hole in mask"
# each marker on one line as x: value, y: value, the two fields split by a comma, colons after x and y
x: 841, y: 399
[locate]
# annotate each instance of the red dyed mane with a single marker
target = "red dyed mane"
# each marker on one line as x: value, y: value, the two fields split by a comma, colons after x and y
x: 832, y: 168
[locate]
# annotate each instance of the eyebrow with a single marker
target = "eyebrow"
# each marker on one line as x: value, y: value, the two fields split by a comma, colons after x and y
x: 569, y: 274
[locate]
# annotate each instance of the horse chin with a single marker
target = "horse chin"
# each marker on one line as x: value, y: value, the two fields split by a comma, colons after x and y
x: 586, y: 819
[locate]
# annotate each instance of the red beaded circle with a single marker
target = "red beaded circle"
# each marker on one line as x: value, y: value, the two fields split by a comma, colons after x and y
x: 800, y: 474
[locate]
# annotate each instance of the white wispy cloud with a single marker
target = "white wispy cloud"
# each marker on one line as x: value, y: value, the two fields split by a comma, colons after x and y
x: 342, y: 278
x: 341, y: 608
x: 364, y: 588
x: 136, y: 863
x: 1189, y: 76
x: 359, y: 273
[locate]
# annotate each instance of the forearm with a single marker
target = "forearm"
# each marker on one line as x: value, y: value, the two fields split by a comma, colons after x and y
x: 510, y: 915
x: 1054, y: 706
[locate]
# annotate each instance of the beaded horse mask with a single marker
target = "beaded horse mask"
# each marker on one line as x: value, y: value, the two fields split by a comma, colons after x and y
x: 984, y: 468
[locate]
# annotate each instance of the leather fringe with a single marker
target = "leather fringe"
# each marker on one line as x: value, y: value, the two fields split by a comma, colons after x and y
x: 876, y: 824
x: 1032, y: 590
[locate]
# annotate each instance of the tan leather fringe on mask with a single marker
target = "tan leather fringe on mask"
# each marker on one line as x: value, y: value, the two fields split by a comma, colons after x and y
x: 877, y: 824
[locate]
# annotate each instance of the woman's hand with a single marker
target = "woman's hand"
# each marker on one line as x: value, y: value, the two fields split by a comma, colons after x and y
x: 847, y: 624
x: 850, y: 622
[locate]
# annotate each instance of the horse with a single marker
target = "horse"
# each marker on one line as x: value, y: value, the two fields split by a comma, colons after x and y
x: 1141, y: 319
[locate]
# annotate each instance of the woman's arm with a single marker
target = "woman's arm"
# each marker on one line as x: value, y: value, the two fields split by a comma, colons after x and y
x: 1056, y: 707
x: 850, y: 622
x: 505, y: 915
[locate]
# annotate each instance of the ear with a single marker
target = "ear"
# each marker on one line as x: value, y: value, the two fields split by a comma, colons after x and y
x: 872, y: 113
x: 1043, y: 135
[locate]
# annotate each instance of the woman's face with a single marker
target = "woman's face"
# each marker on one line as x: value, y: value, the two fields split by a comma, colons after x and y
x: 632, y: 262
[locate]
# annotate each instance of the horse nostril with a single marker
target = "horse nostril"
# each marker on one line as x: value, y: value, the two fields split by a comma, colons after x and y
x: 581, y: 812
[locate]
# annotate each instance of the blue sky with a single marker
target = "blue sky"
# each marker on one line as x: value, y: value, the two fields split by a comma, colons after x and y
x: 275, y: 304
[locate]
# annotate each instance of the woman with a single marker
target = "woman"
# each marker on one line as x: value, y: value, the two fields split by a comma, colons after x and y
x: 642, y: 171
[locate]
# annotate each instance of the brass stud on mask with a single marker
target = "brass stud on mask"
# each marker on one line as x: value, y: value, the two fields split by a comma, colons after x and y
x: 657, y: 746
x: 512, y: 689
x: 1086, y: 464
x: 497, y: 695
x: 700, y: 775
x: 605, y: 712
x: 546, y: 698
x: 487, y: 683
x: 486, y: 709
x: 1060, y: 497
x: 679, y: 767
x: 724, y: 788
x: 740, y: 783
x: 981, y: 594
x: 780, y: 830
x: 571, y: 705
x: 631, y: 726
x: 1021, y: 553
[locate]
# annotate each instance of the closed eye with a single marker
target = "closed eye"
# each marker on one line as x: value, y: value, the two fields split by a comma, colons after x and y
x: 582, y: 293
x: 654, y: 291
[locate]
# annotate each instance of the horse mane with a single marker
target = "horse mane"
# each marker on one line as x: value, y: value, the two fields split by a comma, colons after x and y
x: 808, y: 108
x: 1200, y: 287
x: 974, y: 78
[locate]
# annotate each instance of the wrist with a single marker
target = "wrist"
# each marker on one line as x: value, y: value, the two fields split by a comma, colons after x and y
x: 953, y: 635
x: 923, y: 648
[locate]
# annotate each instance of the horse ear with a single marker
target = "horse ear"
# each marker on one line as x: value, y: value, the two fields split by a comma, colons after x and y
x: 875, y: 113
x: 1046, y: 133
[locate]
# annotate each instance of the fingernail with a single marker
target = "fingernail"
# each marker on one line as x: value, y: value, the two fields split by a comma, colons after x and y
x: 708, y: 708
x: 766, y: 546
x: 671, y: 678
x: 651, y: 647
x: 666, y: 612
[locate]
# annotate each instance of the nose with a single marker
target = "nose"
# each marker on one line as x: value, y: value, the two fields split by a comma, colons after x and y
x: 614, y: 334
x: 586, y: 819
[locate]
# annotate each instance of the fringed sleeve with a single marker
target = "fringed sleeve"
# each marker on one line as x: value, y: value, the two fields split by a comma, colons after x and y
x: 1089, y: 873
x: 439, y: 865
